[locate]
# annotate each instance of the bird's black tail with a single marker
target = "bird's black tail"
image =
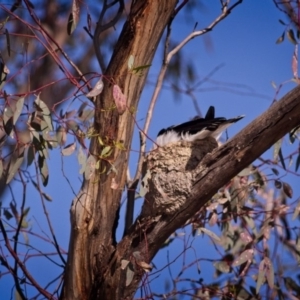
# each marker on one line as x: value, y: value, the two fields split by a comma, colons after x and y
x: 210, y: 113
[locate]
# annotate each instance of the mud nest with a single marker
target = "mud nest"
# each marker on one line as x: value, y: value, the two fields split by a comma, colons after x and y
x: 169, y: 174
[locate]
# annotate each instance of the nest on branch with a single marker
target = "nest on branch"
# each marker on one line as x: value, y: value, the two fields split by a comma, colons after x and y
x: 169, y: 174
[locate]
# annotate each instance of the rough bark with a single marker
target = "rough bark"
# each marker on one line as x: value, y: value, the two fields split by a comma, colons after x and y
x: 95, y: 211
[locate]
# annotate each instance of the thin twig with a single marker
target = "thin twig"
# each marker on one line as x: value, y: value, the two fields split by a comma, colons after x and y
x: 100, y: 28
x: 55, y: 243
x: 46, y: 34
x: 16, y: 237
x: 21, y: 265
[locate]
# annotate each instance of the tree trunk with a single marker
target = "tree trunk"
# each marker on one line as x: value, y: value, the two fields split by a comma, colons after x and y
x: 95, y: 211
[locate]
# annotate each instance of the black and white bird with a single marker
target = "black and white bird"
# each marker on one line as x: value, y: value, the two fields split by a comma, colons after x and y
x: 196, y: 129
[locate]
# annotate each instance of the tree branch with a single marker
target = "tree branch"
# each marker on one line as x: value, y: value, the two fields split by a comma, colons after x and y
x: 21, y: 265
x: 100, y: 27
x: 216, y: 169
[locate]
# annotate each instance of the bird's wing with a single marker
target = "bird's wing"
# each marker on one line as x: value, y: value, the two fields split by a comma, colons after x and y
x: 199, y: 124
x: 197, y: 128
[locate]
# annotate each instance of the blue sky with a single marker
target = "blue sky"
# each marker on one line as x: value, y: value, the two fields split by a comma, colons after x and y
x: 244, y: 44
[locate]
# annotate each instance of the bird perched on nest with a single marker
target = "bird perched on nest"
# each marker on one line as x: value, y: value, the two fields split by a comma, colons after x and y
x: 196, y: 129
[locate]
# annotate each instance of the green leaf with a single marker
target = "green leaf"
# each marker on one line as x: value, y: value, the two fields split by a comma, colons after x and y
x: 35, y: 185
x: 1, y: 168
x: 281, y: 22
x: 44, y: 172
x: 297, y: 210
x: 124, y: 264
x: 71, y: 24
x: 44, y: 152
x: 129, y: 274
x: 7, y: 114
x: 72, y: 125
x: 24, y: 223
x: 281, y: 158
x: 259, y: 178
x: 3, y: 74
x: 291, y: 36
x: 290, y: 161
x: 69, y: 149
x: 297, y: 162
x: 7, y: 214
x: 277, y: 147
x: 19, y: 108
x: 97, y: 89
x: 278, y: 184
x: 45, y: 129
x: 73, y: 17
x: 250, y: 222
x: 261, y: 276
x: 106, y: 151
x: 287, y: 189
x: 82, y: 107
x: 35, y: 136
x: 8, y: 119
x: 103, y: 170
x: 47, y: 197
x: 119, y: 145
x: 167, y: 243
x: 61, y: 135
x: 280, y: 39
x: 210, y: 234
x: 290, y: 284
x: 294, y: 133
x: 41, y: 106
x: 98, y: 163
x: 269, y: 272
x: 26, y: 211
x: 51, y: 140
x: 222, y: 266
x: 246, y: 172
x: 7, y: 41
x: 292, y: 137
x: 140, y: 68
x: 81, y: 160
x: 15, y: 164
x: 245, y: 256
x: 100, y: 141
x: 86, y: 115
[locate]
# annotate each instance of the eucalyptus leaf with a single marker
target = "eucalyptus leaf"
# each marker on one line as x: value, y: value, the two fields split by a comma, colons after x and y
x: 18, y: 110
x: 44, y: 172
